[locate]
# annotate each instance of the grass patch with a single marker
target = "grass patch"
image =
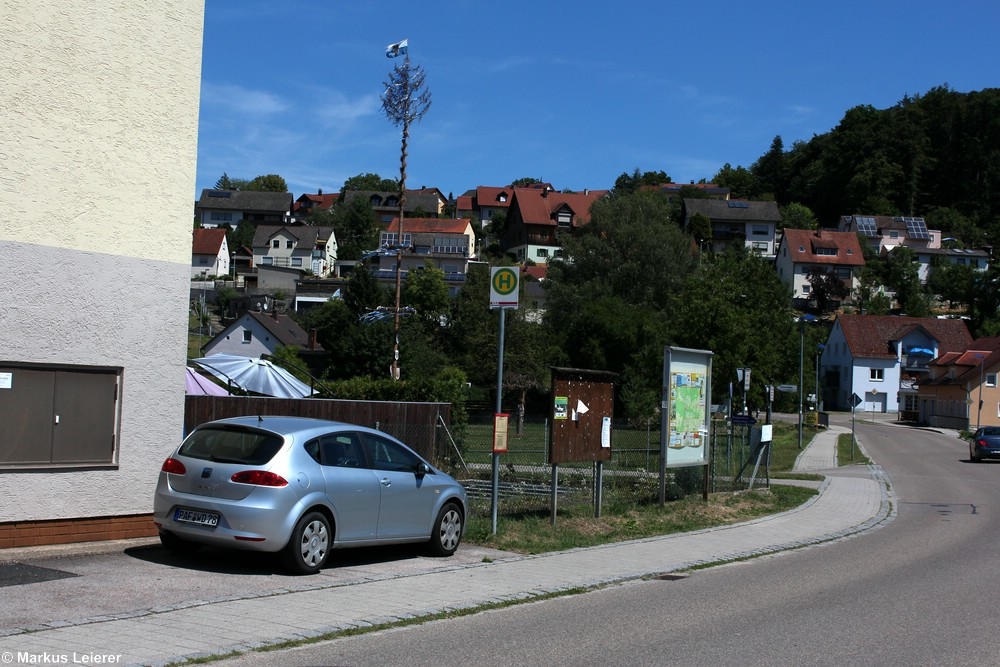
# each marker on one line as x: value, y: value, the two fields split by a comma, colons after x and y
x: 849, y: 453
x: 533, y: 533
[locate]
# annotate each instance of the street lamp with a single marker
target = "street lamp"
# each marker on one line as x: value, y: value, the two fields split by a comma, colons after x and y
x: 802, y: 348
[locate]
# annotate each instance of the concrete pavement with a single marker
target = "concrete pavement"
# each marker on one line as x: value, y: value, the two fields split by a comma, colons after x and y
x: 850, y: 500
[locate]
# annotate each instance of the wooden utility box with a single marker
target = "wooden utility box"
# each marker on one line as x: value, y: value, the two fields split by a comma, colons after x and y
x: 583, y: 404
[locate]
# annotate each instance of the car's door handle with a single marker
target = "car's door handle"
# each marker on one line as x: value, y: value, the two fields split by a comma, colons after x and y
x: 385, y: 481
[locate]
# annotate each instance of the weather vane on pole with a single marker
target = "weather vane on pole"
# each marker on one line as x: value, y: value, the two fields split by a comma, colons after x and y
x: 405, y: 100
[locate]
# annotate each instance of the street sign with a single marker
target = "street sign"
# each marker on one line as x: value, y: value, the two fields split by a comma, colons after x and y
x: 503, y: 286
x: 856, y: 401
x: 788, y: 388
x: 743, y: 419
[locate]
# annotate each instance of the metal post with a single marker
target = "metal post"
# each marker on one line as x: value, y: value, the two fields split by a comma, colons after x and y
x: 979, y: 413
x: 802, y: 341
x: 495, y: 501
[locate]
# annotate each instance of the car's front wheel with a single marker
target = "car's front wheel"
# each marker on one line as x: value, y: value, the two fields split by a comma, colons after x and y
x: 447, y: 532
x: 309, y: 545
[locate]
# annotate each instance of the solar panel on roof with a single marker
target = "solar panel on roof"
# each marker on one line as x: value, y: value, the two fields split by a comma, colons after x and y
x: 866, y: 225
x: 738, y: 204
x: 916, y: 228
x: 225, y: 194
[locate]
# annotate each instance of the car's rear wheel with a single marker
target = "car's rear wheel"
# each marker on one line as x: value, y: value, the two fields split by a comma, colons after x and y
x: 972, y: 454
x: 447, y: 532
x: 309, y: 545
x: 176, y: 545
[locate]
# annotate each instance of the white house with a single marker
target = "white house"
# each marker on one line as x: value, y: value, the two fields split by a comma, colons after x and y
x: 749, y: 223
x: 881, y: 359
x: 806, y: 252
x: 210, y: 253
x: 302, y: 247
x: 261, y: 332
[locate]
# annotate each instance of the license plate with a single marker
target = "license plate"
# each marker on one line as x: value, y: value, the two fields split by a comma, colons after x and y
x: 193, y: 516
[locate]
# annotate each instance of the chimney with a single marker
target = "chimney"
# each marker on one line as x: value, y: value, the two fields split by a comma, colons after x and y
x: 320, y: 192
x: 312, y: 339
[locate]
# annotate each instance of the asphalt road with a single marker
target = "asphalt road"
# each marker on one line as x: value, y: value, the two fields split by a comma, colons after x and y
x: 919, y: 591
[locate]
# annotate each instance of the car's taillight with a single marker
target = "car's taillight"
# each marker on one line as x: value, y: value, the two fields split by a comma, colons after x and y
x: 173, y: 467
x: 259, y: 478
x: 982, y: 443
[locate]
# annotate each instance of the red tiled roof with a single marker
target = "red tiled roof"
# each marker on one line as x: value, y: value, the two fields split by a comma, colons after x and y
x: 849, y: 251
x: 208, y: 241
x: 869, y: 336
x: 539, y: 207
x: 537, y: 271
x: 424, y: 225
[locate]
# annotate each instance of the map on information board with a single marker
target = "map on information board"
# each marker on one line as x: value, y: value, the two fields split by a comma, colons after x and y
x: 687, y: 410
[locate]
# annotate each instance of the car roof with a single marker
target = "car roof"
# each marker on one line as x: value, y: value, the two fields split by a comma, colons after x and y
x: 285, y: 425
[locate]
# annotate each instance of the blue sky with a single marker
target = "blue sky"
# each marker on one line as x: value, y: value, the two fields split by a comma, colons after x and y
x: 571, y: 93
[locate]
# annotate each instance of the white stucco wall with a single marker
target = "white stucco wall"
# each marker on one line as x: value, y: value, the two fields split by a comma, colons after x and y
x: 100, y: 105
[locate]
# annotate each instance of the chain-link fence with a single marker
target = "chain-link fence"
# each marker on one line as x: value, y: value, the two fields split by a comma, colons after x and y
x: 630, y: 478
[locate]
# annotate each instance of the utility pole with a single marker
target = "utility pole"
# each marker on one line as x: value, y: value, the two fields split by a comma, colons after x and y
x: 405, y: 101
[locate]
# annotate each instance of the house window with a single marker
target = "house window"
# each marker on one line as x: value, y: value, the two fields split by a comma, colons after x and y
x: 289, y: 245
x: 806, y: 288
x: 542, y: 252
x: 276, y: 243
x: 223, y: 217
x: 760, y: 245
x: 802, y: 248
x: 828, y: 252
x: 563, y: 218
x: 296, y: 261
x: 247, y: 336
x: 991, y: 379
x: 267, y: 261
x: 59, y: 416
x: 893, y: 234
x: 388, y: 239
x: 876, y: 375
x: 759, y: 230
x: 203, y: 261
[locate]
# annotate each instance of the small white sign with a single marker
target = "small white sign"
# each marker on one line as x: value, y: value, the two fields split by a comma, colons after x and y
x: 606, y: 432
x: 6, y: 380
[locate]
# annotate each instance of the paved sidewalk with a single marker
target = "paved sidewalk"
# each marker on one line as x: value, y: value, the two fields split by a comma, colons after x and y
x: 851, y: 500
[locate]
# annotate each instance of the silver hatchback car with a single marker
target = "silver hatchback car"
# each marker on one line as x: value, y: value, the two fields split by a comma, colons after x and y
x: 302, y: 487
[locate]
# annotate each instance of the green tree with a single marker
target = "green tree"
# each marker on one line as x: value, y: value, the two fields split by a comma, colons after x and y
x: 903, y: 277
x: 525, y: 182
x: 224, y: 182
x: 267, y: 183
x: 427, y: 293
x: 954, y: 283
x: 736, y: 306
x: 627, y: 184
x: 798, y: 216
x: 369, y: 182
x: 826, y: 288
x: 354, y: 224
x: 771, y: 172
x: 741, y: 182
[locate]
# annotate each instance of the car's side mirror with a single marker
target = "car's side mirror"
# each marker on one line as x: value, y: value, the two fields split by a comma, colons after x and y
x: 422, y: 469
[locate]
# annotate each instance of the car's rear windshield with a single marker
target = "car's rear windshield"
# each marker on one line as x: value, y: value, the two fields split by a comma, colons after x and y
x: 991, y: 431
x: 228, y: 444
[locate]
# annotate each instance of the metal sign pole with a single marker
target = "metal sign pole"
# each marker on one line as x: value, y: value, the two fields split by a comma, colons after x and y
x: 495, y: 500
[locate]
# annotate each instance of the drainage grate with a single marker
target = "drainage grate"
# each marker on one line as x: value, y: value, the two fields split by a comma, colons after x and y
x: 18, y: 574
x: 670, y: 577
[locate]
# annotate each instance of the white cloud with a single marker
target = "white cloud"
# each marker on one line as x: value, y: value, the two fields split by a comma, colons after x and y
x: 235, y: 98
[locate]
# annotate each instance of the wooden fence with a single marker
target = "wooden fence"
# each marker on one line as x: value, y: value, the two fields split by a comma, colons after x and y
x: 416, y: 424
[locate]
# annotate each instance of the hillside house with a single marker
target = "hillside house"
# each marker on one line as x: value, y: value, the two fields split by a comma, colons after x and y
x: 805, y: 252
x: 882, y: 358
x: 210, y: 253
x: 217, y: 208
x: 448, y: 244
x: 751, y: 223
x: 422, y: 203
x: 301, y: 247
x: 960, y: 390
x: 257, y: 332
x: 538, y: 217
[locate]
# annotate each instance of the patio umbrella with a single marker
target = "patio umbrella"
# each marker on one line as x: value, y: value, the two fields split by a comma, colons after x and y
x: 197, y: 384
x: 255, y: 375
